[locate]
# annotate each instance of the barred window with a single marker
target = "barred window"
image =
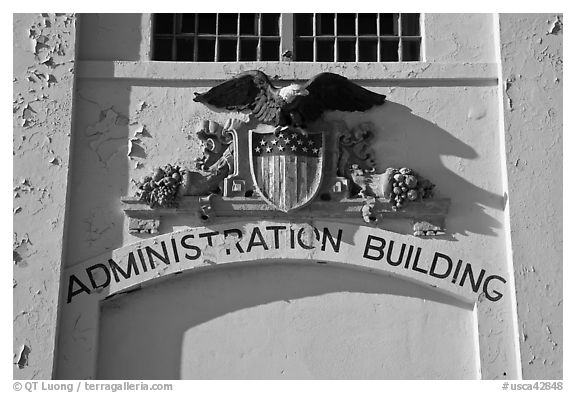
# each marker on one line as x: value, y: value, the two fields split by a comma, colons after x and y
x: 321, y: 37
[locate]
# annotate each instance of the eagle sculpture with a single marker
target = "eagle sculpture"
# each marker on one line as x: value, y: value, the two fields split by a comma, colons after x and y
x: 291, y: 106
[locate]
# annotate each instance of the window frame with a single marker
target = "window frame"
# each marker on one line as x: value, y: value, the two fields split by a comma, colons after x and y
x: 287, y: 40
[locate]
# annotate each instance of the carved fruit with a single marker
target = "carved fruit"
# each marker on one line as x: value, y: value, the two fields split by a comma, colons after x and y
x: 404, y: 189
x: 412, y: 195
x: 397, y: 190
x: 152, y: 184
x: 399, y: 177
x: 411, y: 181
x: 405, y: 171
x: 159, y: 174
x: 176, y: 176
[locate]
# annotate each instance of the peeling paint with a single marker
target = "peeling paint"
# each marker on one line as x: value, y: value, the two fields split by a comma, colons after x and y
x: 555, y: 26
x: 23, y: 356
x: 42, y: 104
x: 531, y: 52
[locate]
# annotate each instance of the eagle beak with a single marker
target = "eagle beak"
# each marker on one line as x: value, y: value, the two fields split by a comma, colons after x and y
x: 303, y: 92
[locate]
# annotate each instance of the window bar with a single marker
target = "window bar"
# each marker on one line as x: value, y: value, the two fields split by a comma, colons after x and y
x: 259, y: 46
x: 196, y: 22
x: 399, y: 37
x: 176, y: 18
x: 335, y: 38
x: 217, y: 40
x: 378, y: 44
x: 421, y: 54
x: 238, y: 38
x: 357, y: 39
x: 287, y: 35
x: 314, y: 41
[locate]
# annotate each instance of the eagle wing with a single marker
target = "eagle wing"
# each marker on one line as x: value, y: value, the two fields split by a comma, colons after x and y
x: 328, y: 91
x: 338, y: 93
x: 250, y: 90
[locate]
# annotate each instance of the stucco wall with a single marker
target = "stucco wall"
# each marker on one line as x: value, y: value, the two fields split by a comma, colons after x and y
x: 532, y: 65
x: 287, y: 321
x: 44, y: 53
x: 459, y: 38
x: 486, y: 147
x: 440, y: 119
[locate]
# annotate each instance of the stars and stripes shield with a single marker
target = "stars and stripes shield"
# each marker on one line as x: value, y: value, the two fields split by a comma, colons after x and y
x: 287, y: 167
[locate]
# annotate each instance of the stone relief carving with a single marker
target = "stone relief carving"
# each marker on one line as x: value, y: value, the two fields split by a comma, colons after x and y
x: 272, y: 166
x: 216, y: 163
x: 162, y: 188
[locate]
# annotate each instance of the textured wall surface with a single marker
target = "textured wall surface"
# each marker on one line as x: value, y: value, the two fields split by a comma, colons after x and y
x: 129, y: 34
x: 287, y: 321
x: 459, y: 37
x: 42, y: 111
x: 132, y: 115
x: 531, y: 50
x: 442, y: 125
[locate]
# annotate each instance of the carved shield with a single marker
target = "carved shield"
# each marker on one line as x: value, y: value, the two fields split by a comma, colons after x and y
x: 287, y: 167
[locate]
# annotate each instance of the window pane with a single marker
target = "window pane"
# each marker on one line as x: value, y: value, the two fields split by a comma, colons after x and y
x: 227, y: 23
x: 388, y: 24
x: 270, y: 24
x: 185, y: 49
x: 346, y: 24
x: 206, y: 49
x: 304, y: 50
x: 163, y: 49
x: 368, y: 50
x: 303, y: 24
x: 227, y: 50
x: 324, y: 24
x: 388, y: 50
x: 367, y: 24
x: 163, y: 23
x: 188, y: 24
x: 411, y: 24
x: 248, y: 50
x: 410, y: 50
x: 325, y: 50
x: 207, y: 23
x: 270, y: 50
x: 346, y: 50
x: 248, y: 24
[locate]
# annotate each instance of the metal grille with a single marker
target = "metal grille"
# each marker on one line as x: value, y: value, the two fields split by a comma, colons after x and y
x: 216, y: 37
x: 301, y: 37
x: 357, y: 37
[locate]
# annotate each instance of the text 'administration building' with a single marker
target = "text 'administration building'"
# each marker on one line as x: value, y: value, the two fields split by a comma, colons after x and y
x: 325, y: 232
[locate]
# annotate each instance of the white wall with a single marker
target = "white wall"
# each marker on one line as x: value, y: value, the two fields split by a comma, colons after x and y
x: 532, y: 66
x: 287, y: 321
x: 446, y: 117
x: 441, y: 119
x: 44, y: 54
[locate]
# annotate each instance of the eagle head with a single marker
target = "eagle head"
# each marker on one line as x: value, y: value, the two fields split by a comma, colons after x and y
x: 290, y: 92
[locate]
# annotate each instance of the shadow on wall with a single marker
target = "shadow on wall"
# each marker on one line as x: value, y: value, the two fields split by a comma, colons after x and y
x: 142, y: 333
x: 110, y: 37
x: 99, y: 168
x: 406, y: 140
